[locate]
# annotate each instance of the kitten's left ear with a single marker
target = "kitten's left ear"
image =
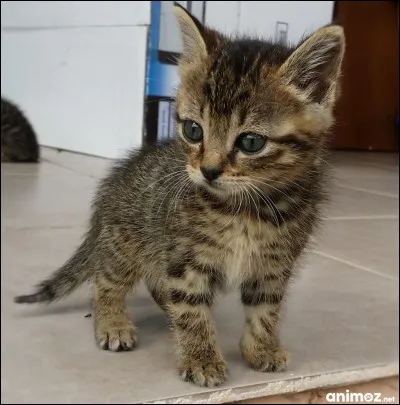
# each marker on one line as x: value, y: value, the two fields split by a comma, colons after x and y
x: 196, y: 38
x: 314, y: 67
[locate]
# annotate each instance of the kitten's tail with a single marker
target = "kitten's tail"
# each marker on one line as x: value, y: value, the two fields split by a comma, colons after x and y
x: 67, y: 278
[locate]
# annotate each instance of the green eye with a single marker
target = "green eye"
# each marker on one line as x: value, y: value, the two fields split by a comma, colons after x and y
x: 192, y: 131
x: 250, y: 143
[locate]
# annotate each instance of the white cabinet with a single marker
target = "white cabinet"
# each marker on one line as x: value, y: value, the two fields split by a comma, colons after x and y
x: 73, y: 13
x: 78, y: 70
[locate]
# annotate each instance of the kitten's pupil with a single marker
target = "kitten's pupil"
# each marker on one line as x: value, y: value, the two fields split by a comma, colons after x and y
x: 250, y: 143
x: 192, y: 131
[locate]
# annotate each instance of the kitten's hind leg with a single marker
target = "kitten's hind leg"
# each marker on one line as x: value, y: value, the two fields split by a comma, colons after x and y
x: 113, y: 329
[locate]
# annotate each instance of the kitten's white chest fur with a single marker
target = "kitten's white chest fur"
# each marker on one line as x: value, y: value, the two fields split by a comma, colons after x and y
x: 237, y: 265
x: 245, y: 243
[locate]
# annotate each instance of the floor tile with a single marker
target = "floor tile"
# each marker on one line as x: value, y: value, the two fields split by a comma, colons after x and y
x: 42, y: 169
x: 372, y: 244
x: 387, y: 186
x: 389, y: 162
x: 349, y: 203
x: 59, y: 199
x: 89, y: 165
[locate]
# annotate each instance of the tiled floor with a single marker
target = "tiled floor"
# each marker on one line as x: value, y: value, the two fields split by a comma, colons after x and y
x: 341, y: 322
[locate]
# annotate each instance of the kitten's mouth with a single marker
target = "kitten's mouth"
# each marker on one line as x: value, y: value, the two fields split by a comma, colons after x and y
x: 215, y: 186
x: 211, y: 184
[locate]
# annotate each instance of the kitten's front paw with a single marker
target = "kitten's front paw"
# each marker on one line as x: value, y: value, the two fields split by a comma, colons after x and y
x: 205, y: 373
x: 118, y: 335
x: 265, y: 358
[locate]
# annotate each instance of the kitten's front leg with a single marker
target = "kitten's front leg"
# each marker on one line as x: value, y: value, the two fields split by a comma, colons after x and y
x: 262, y: 300
x: 191, y: 293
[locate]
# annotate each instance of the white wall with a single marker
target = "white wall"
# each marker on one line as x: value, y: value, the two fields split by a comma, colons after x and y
x: 78, y: 71
x: 260, y: 17
x: 302, y: 16
x: 223, y: 16
x: 74, y: 13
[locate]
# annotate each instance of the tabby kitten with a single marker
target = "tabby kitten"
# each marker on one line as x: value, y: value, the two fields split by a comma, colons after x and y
x: 231, y: 203
x: 18, y: 139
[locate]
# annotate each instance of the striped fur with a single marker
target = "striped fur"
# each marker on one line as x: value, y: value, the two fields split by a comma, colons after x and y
x: 156, y: 219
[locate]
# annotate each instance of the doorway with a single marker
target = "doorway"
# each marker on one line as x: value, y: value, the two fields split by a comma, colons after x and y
x: 367, y: 109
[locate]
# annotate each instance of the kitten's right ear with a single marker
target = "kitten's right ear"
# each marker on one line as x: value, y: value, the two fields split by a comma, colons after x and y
x: 314, y: 67
x: 193, y: 34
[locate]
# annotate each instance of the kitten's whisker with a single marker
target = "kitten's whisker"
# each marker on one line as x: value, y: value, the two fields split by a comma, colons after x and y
x: 258, y: 213
x: 161, y: 179
x: 178, y: 187
x: 280, y: 182
x: 234, y: 215
x: 269, y: 203
x: 179, y: 193
x: 264, y: 196
x: 172, y: 159
x: 272, y: 207
x: 280, y: 191
x: 175, y: 197
x: 176, y: 184
x: 247, y: 205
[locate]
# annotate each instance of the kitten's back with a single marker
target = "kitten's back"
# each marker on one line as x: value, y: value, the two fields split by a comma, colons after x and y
x: 18, y: 139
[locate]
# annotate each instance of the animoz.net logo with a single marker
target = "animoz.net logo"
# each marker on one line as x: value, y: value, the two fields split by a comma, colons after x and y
x: 358, y: 397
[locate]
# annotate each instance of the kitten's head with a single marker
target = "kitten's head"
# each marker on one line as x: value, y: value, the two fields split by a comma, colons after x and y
x: 252, y: 113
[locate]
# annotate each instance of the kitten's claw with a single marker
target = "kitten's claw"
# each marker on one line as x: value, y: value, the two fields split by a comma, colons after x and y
x: 116, y: 336
x: 203, y: 373
x: 268, y: 359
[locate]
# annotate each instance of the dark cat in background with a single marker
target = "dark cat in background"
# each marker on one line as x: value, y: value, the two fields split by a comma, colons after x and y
x: 18, y: 138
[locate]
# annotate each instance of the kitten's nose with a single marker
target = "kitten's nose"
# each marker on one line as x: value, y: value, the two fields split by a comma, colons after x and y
x: 211, y: 173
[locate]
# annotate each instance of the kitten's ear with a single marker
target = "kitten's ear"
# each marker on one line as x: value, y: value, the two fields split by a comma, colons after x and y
x: 193, y: 34
x: 314, y: 67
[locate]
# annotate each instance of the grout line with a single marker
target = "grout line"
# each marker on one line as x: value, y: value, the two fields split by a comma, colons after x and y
x: 38, y: 174
x: 357, y: 266
x: 70, y: 169
x: 364, y: 217
x: 72, y: 152
x: 380, y: 193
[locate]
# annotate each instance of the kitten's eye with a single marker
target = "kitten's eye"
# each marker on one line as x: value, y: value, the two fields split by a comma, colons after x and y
x: 250, y: 143
x: 192, y: 131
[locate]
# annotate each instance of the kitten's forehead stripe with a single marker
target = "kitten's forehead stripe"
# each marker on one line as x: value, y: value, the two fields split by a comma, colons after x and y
x: 234, y: 73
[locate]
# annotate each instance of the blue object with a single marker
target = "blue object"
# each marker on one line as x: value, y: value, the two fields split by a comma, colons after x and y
x: 162, y: 78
